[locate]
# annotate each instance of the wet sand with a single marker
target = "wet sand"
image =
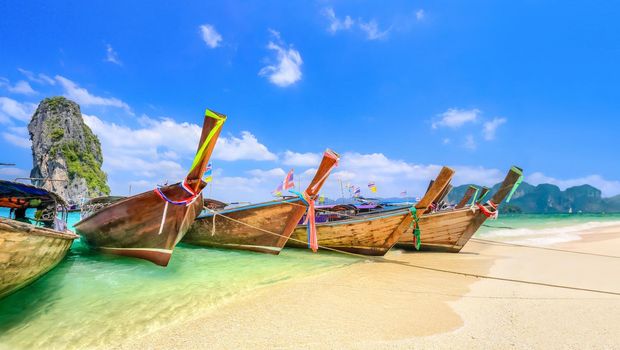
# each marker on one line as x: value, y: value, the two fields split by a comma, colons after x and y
x: 393, y: 305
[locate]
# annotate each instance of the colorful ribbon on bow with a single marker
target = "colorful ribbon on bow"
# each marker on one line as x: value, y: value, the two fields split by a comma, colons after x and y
x: 514, y: 188
x: 187, y: 201
x: 310, y: 222
x: 489, y: 214
x: 416, y: 228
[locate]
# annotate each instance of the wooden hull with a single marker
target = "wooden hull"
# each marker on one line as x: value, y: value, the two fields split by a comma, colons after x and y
x: 143, y: 226
x: 445, y: 231
x: 244, y: 227
x: 372, y: 234
x: 27, y: 252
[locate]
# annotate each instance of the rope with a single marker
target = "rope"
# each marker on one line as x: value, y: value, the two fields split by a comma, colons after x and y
x: 488, y: 241
x: 428, y: 268
x: 448, y: 294
x: 505, y: 279
x: 506, y: 227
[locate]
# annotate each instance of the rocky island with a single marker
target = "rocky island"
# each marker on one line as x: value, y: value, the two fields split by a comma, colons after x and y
x: 66, y: 155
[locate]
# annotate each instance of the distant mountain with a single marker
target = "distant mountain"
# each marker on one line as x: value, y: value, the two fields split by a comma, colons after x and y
x: 547, y: 198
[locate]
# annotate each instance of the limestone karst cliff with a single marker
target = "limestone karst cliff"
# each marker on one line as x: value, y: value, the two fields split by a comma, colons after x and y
x: 65, y: 152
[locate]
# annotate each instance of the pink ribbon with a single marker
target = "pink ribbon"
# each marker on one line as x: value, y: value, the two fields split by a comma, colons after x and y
x: 310, y: 221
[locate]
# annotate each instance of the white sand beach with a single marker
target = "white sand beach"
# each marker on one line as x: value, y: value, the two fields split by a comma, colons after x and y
x: 386, y: 305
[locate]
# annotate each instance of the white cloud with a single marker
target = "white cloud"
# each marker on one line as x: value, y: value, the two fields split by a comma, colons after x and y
x: 477, y: 175
x: 489, y: 128
x: 446, y: 141
x: 301, y: 159
x: 155, y: 150
x: 271, y: 173
x: 17, y: 136
x: 393, y: 176
x: 21, y: 87
x: 287, y: 69
x: 12, y: 173
x: 10, y: 108
x: 420, y: 14
x: 371, y: 28
x: 336, y: 24
x: 210, y: 36
x: 455, y: 118
x: 470, y: 142
x: 608, y: 187
x: 247, y: 147
x: 37, y: 78
x: 85, y: 98
x: 112, y: 56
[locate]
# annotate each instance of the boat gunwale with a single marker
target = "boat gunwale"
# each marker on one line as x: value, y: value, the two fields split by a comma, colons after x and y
x: 119, y: 202
x: 27, y: 228
x: 365, y: 217
x: 210, y: 212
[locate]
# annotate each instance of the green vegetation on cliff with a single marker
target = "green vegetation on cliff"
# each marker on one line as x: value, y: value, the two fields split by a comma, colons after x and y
x: 84, y: 165
x: 547, y: 198
x: 56, y: 102
x: 82, y: 155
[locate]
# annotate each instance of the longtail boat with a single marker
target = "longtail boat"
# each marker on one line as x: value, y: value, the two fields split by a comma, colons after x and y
x: 449, y: 230
x: 30, y: 247
x: 469, y: 193
x: 372, y: 233
x: 263, y: 227
x: 150, y: 224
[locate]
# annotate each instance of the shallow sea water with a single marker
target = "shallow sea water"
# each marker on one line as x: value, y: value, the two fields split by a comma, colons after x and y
x: 94, y: 300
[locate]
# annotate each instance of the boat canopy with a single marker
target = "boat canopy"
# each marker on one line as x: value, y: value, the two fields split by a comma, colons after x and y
x: 18, y: 197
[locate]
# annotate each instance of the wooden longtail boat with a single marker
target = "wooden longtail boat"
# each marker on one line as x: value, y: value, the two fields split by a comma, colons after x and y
x: 450, y: 230
x: 373, y: 233
x: 150, y: 224
x: 30, y: 247
x: 252, y: 227
x: 466, y: 197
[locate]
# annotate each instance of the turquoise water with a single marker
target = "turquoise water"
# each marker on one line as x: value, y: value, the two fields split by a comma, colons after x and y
x: 92, y: 299
x: 543, y: 229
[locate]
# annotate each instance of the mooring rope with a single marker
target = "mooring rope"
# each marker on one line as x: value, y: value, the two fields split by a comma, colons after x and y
x: 503, y: 278
x: 488, y: 241
x: 504, y: 227
x: 428, y: 268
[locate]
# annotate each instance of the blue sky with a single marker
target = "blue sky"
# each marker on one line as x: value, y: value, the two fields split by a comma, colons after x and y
x: 398, y: 88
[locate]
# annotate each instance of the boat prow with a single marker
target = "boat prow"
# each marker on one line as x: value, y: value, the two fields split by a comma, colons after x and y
x: 263, y: 227
x: 149, y: 225
x: 450, y: 230
x: 373, y: 233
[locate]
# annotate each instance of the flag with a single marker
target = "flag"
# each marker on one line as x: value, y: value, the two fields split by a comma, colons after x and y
x: 278, y: 191
x: 209, y: 173
x: 403, y: 193
x: 288, y: 181
x: 356, y: 192
x: 286, y: 184
x: 321, y: 199
x: 372, y: 187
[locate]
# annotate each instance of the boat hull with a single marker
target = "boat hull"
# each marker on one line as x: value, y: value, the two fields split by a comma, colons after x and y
x: 372, y: 234
x: 263, y: 227
x: 445, y: 231
x: 143, y: 226
x: 27, y: 252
